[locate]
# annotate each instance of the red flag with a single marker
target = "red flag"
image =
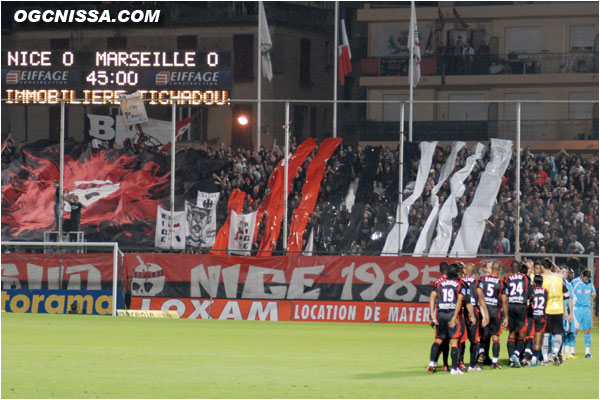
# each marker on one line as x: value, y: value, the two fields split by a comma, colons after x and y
x: 310, y: 193
x: 180, y: 127
x: 236, y: 203
x: 275, y: 209
x: 344, y: 55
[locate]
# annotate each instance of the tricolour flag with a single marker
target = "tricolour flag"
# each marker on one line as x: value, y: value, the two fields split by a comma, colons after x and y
x: 413, y: 39
x: 265, y: 44
x: 344, y: 55
x: 241, y: 233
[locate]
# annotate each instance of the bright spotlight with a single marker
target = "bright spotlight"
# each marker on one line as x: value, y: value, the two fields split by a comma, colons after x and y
x: 242, y: 120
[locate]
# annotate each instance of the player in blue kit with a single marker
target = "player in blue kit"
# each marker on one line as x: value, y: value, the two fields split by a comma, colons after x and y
x: 584, y: 292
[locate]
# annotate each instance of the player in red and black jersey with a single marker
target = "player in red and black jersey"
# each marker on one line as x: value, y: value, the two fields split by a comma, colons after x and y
x: 491, y: 288
x: 527, y: 269
x: 445, y: 347
x: 480, y: 315
x: 448, y: 296
x: 539, y: 300
x: 518, y: 290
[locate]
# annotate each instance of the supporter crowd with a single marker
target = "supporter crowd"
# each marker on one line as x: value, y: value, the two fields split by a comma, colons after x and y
x: 559, y: 197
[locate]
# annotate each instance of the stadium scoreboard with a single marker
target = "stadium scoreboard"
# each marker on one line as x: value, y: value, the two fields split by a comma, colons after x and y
x: 100, y: 77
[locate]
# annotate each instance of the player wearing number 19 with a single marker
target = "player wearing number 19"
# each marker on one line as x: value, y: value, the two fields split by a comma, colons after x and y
x: 518, y: 290
x: 449, y: 296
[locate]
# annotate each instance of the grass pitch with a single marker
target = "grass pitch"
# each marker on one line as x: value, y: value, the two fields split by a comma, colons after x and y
x: 75, y: 356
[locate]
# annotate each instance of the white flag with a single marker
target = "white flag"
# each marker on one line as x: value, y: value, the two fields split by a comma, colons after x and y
x: 201, y: 219
x: 241, y: 233
x: 413, y: 38
x: 265, y: 44
x: 133, y: 109
x: 164, y: 227
x: 308, y: 250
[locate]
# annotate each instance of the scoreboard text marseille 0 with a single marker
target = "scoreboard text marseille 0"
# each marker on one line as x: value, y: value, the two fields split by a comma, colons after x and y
x: 51, y: 76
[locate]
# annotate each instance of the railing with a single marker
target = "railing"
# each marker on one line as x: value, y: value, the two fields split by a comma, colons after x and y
x: 572, y: 129
x: 484, y: 64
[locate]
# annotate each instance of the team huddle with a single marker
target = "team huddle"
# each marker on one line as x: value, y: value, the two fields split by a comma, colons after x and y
x: 540, y: 305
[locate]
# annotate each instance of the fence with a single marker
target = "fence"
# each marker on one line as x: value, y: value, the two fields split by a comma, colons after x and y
x: 121, y: 202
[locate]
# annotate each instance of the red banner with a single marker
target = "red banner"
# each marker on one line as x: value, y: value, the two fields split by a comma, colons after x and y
x: 274, y: 201
x: 334, y: 278
x: 288, y: 310
x: 310, y: 192
x: 236, y: 203
x: 57, y: 271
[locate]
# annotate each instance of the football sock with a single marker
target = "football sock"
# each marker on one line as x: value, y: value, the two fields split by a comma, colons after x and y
x: 474, y: 349
x: 520, y: 347
x: 454, y: 354
x: 588, y: 342
x: 557, y: 344
x: 574, y: 342
x: 510, y: 346
x: 529, y: 345
x: 445, y: 351
x: 435, y: 352
x: 495, y: 350
x: 545, y: 346
x: 461, y: 349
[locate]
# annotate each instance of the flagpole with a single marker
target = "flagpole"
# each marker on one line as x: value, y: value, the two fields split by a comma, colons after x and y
x: 517, y: 171
x: 173, y: 128
x: 411, y: 69
x: 400, y: 177
x: 259, y: 80
x: 285, y: 175
x: 62, y: 172
x: 335, y: 65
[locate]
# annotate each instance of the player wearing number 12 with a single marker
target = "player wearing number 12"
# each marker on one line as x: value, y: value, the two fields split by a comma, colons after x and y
x: 449, y: 296
x: 518, y: 290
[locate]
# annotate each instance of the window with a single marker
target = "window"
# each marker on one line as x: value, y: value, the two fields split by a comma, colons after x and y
x: 278, y: 53
x: 189, y: 42
x: 467, y: 111
x: 524, y: 40
x: 582, y: 37
x: 243, y: 57
x: 304, y: 76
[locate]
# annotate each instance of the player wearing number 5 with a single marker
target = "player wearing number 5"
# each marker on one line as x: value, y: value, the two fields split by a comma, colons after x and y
x: 518, y: 290
x: 449, y: 296
x: 491, y: 287
x: 584, y: 292
x: 555, y: 310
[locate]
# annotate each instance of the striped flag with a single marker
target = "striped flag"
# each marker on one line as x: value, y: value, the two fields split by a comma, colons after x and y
x: 344, y: 65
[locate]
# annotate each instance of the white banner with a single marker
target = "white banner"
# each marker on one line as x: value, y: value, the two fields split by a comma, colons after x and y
x: 109, y: 127
x: 308, y: 250
x: 473, y: 222
x: 201, y: 219
x: 162, y: 237
x: 241, y: 233
x: 351, y: 195
x: 133, y: 109
x: 441, y: 243
x: 425, y: 237
x: 391, y: 243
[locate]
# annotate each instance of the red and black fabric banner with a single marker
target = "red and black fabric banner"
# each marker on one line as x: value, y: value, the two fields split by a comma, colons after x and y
x: 346, y: 278
x: 273, y: 207
x: 120, y: 190
x: 57, y: 271
x: 310, y: 192
x: 235, y: 203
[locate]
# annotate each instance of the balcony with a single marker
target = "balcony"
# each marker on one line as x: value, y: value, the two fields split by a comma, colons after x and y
x: 511, y: 64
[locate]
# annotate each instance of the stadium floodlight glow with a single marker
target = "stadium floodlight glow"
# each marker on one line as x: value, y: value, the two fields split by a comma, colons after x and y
x: 243, y: 120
